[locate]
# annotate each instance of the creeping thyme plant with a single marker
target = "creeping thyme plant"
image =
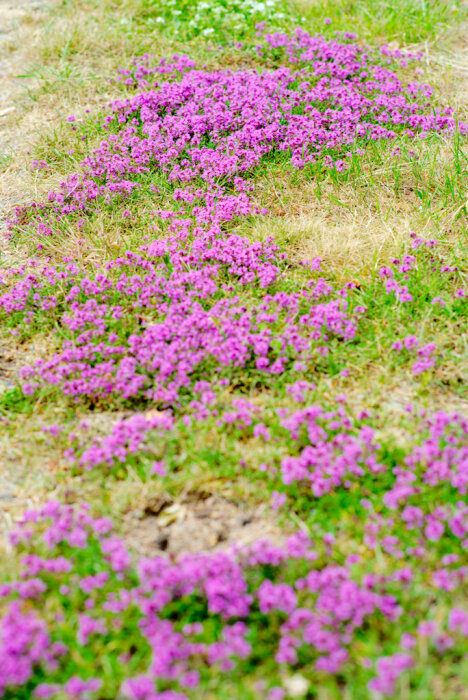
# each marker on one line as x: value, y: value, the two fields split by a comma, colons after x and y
x: 220, y: 350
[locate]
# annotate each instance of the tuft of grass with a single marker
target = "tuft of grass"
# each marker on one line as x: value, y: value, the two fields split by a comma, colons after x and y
x: 356, y: 219
x: 400, y: 21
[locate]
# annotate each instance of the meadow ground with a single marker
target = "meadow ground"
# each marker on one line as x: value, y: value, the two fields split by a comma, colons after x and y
x: 233, y: 349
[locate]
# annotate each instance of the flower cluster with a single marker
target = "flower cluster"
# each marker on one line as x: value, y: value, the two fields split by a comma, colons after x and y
x: 164, y: 629
x: 152, y: 322
x: 126, y: 438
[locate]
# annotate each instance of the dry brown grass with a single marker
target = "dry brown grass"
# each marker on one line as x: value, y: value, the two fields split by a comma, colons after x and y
x: 356, y: 225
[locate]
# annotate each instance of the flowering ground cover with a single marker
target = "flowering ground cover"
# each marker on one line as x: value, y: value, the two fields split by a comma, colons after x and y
x: 225, y: 359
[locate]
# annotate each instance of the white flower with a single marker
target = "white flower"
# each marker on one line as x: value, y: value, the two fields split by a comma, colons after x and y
x: 296, y: 686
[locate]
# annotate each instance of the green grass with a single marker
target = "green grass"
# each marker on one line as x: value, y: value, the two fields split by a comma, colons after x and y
x: 401, y: 21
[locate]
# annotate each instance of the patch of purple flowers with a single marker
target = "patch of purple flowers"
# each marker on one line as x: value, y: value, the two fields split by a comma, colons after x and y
x: 151, y: 322
x: 312, y: 608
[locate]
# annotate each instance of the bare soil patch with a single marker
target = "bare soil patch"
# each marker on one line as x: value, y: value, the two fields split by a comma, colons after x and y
x: 196, y: 524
